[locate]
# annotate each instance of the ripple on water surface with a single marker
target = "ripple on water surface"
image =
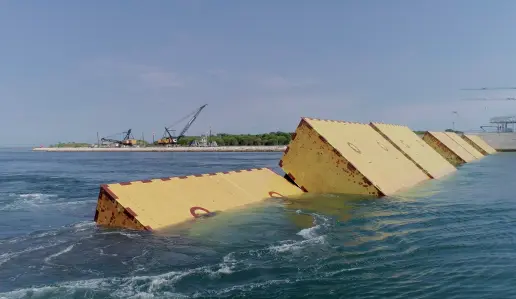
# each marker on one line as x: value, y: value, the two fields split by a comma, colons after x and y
x: 451, y: 238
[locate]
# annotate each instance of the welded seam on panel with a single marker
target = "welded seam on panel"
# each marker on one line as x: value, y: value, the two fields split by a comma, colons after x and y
x: 399, y: 149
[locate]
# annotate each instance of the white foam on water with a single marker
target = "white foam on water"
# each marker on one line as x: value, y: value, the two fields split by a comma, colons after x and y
x: 244, y: 287
x: 36, y: 196
x: 312, y: 235
x: 83, y: 226
x: 50, y: 257
x: 163, y: 285
x: 5, y: 257
x: 38, y: 200
x: 27, y: 200
x: 144, y: 286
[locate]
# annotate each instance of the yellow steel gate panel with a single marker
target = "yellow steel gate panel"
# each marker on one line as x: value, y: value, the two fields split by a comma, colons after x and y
x: 414, y: 148
x: 479, y: 144
x: 465, y: 145
x: 160, y: 203
x: 448, y: 148
x: 327, y: 156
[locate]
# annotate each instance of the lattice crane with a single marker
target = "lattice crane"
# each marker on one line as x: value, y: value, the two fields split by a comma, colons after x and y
x: 169, y: 139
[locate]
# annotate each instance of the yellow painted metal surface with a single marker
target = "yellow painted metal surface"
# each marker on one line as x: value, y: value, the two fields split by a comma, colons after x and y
x: 415, y: 149
x: 160, y: 203
x: 447, y: 147
x: 476, y: 154
x: 327, y: 156
x: 479, y: 144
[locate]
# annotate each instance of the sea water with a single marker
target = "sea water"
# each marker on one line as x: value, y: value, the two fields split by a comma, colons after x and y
x: 448, y: 238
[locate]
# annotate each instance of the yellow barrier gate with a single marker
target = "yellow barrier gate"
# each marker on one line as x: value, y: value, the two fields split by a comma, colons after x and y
x: 415, y: 149
x: 449, y: 149
x: 479, y: 144
x: 465, y: 145
x: 160, y: 203
x: 327, y: 156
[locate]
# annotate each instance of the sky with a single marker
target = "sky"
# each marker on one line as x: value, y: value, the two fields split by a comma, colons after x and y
x: 70, y: 69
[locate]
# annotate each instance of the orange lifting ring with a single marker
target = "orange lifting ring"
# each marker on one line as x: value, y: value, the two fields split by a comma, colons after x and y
x: 272, y: 193
x: 382, y: 146
x: 403, y: 142
x: 193, y: 209
x: 354, y: 147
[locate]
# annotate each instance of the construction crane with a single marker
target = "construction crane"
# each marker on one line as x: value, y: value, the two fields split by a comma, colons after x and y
x: 489, y: 88
x: 127, y: 141
x: 491, y: 99
x: 501, y: 123
x: 168, y: 138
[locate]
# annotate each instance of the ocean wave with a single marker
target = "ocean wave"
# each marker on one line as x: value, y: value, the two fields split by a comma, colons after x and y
x: 31, y: 201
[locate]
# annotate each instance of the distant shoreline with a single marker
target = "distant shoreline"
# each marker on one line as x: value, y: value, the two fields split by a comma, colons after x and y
x: 280, y: 148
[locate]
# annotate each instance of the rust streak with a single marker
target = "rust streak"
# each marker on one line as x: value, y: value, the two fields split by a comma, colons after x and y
x: 130, y: 212
x: 291, y: 176
x: 108, y: 191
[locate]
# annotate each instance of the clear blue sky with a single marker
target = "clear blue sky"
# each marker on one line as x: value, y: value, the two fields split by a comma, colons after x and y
x: 71, y: 68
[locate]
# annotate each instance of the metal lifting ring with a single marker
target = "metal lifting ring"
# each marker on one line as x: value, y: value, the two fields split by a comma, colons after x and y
x: 354, y: 147
x: 403, y: 142
x: 382, y: 146
x: 195, y: 215
x: 274, y: 194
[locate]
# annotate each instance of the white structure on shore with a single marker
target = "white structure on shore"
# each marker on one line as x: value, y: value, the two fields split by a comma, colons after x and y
x: 203, y: 142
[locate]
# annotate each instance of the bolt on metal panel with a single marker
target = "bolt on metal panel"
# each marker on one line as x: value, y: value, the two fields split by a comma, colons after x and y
x: 160, y: 203
x: 476, y: 154
x: 479, y: 144
x: 415, y: 149
x: 446, y: 147
x: 328, y: 156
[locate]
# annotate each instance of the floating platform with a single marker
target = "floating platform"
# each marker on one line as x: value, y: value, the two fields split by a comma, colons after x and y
x: 470, y: 149
x: 328, y: 156
x: 415, y: 149
x: 447, y: 148
x: 479, y: 144
x: 160, y: 203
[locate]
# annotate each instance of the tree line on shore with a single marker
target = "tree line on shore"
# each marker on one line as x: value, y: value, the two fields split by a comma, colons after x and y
x: 223, y: 139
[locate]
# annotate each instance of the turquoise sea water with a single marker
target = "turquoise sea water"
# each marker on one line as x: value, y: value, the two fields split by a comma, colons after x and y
x: 448, y: 238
